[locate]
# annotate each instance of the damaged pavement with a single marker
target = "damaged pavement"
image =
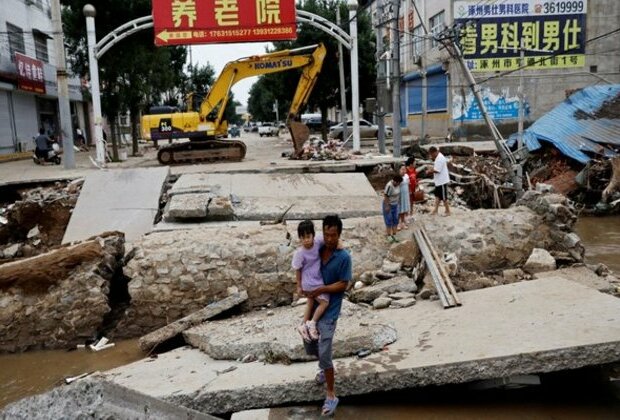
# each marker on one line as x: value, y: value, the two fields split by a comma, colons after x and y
x: 201, y: 271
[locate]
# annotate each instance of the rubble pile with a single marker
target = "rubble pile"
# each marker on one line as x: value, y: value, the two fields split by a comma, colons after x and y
x: 37, y: 221
x: 480, y: 181
x: 318, y: 149
x: 60, y: 298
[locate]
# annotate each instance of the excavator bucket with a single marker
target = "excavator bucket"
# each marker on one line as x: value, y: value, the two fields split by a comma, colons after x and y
x: 300, y: 133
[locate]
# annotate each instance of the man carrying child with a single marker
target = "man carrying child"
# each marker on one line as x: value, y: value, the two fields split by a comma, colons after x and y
x: 336, y: 273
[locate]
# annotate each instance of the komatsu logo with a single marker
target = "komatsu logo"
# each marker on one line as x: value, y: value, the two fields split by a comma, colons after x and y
x: 279, y: 64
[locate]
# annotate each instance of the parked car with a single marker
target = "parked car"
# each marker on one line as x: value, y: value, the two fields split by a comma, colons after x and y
x: 268, y: 129
x: 315, y: 124
x: 367, y: 130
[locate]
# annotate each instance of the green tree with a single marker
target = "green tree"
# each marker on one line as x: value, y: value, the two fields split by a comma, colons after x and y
x: 134, y: 74
x: 326, y: 93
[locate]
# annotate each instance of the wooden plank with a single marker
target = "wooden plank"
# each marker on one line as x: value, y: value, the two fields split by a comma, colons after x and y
x: 447, y: 280
x: 440, y: 267
x: 428, y: 258
x: 149, y: 341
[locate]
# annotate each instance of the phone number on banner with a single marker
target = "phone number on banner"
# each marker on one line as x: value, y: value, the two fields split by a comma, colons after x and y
x: 228, y: 33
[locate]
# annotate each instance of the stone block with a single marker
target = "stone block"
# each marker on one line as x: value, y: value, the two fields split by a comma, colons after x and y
x: 403, y: 303
x: 188, y: 206
x: 381, y: 303
x: 540, y: 260
x: 513, y: 274
x: 370, y: 293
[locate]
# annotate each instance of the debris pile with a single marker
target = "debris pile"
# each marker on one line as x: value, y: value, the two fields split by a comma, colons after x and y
x: 60, y: 298
x: 37, y: 221
x: 318, y: 149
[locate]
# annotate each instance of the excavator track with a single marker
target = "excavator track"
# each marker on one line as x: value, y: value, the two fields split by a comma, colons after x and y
x: 202, y: 151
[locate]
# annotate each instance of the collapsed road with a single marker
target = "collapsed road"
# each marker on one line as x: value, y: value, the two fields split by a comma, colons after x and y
x: 183, y: 267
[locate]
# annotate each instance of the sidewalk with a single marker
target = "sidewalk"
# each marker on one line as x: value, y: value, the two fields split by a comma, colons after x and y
x: 263, y: 156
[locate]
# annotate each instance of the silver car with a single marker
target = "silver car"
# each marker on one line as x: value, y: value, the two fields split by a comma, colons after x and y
x: 367, y: 130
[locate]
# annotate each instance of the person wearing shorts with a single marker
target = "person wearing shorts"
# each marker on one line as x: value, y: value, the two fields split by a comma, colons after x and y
x: 441, y: 179
x: 391, y: 199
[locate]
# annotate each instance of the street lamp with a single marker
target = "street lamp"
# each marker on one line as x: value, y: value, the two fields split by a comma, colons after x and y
x: 93, y: 68
x: 355, y: 94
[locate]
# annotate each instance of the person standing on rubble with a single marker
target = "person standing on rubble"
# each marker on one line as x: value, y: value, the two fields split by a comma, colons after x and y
x: 337, y: 273
x: 441, y: 179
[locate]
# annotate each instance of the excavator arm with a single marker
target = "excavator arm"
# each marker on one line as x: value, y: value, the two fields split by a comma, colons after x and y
x: 275, y: 62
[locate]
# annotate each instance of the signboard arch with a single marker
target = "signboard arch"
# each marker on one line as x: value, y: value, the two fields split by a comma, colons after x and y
x: 97, y: 49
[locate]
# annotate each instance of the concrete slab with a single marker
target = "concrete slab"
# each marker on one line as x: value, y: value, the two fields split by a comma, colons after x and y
x: 125, y: 200
x: 94, y: 397
x: 267, y: 196
x: 581, y: 275
x: 522, y: 328
x: 273, y: 337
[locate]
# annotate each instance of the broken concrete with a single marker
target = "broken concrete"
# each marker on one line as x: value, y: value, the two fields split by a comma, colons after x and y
x: 149, y: 341
x: 174, y: 273
x: 584, y: 276
x: 540, y: 260
x: 521, y: 328
x: 267, y: 196
x: 275, y: 339
x: 125, y: 201
x: 58, y: 299
x: 368, y: 294
x: 97, y: 399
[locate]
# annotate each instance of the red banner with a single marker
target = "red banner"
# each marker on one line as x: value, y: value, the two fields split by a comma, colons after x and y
x: 179, y: 22
x: 30, y: 76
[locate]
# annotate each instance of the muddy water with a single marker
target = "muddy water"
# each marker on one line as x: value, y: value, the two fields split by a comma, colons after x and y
x: 34, y: 372
x: 601, y: 238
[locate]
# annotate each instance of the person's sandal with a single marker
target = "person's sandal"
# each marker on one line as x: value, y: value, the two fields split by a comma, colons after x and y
x: 329, y: 407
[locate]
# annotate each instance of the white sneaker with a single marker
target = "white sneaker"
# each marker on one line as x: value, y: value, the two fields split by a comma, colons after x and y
x: 314, y: 333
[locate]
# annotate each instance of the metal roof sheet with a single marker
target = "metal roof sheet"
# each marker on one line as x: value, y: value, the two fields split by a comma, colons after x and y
x: 575, y: 127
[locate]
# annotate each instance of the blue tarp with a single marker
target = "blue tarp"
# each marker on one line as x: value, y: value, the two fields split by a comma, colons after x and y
x: 574, y: 128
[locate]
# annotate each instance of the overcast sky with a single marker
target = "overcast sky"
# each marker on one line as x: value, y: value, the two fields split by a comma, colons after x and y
x: 219, y: 54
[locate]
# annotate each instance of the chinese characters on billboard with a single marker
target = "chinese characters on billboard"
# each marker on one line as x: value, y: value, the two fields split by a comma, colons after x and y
x: 553, y: 33
x: 215, y: 21
x: 30, y: 75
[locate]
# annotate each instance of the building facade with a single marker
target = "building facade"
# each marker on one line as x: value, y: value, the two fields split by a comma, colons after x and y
x: 567, y: 45
x: 28, y: 83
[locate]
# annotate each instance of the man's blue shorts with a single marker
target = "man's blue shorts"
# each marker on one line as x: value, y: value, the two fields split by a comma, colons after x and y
x: 390, y: 217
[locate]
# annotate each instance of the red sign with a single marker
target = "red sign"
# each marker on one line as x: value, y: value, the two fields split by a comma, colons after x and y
x: 179, y: 22
x: 30, y: 75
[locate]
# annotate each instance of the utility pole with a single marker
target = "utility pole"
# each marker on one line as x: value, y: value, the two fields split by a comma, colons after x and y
x: 380, y: 78
x: 422, y: 69
x: 66, y: 130
x: 93, y: 68
x: 397, y: 138
x: 343, y: 93
x: 355, y: 93
x: 512, y: 167
x: 521, y: 99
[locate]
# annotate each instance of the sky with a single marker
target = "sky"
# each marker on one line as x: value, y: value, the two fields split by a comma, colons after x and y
x: 219, y: 54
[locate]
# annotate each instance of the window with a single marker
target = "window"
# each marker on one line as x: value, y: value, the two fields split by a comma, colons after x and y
x: 436, y: 94
x: 40, y: 45
x: 593, y: 69
x: 437, y: 25
x: 417, y: 44
x: 16, y: 40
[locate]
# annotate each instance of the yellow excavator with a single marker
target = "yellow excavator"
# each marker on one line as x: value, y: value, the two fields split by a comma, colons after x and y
x: 207, y: 129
